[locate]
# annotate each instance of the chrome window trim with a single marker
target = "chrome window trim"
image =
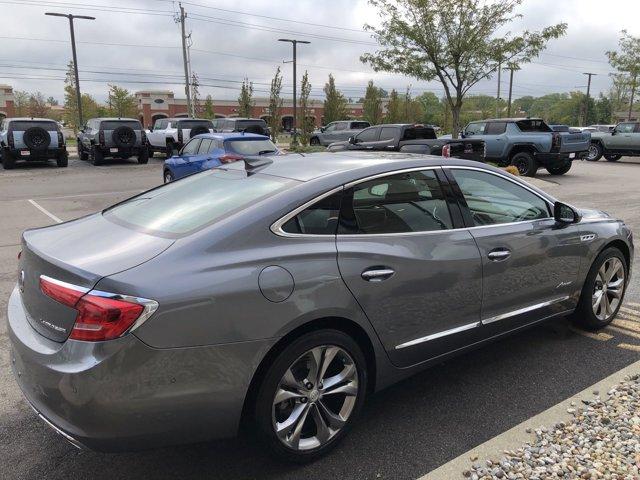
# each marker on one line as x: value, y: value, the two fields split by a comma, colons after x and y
x: 487, y: 321
x: 353, y: 183
x: 60, y: 283
x: 434, y: 336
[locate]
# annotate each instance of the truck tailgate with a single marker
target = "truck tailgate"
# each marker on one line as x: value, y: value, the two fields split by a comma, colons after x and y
x: 574, y: 142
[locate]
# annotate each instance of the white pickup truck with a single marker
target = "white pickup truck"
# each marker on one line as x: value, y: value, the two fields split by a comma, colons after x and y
x: 168, y: 135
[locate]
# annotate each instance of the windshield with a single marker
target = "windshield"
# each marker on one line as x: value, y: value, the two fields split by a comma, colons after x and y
x: 113, y: 124
x: 240, y: 124
x: 183, y: 207
x: 191, y: 124
x: 248, y: 146
x: 20, y: 126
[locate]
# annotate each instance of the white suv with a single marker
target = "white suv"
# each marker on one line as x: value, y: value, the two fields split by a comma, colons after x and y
x: 169, y: 135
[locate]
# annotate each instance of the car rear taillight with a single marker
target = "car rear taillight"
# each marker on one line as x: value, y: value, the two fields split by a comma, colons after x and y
x: 230, y: 158
x: 101, y: 137
x: 446, y: 151
x: 60, y: 139
x: 180, y: 136
x: 10, y: 142
x: 556, y: 141
x: 101, y: 315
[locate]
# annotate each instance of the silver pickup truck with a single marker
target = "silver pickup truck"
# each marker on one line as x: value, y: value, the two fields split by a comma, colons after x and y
x: 528, y: 144
x: 337, y: 132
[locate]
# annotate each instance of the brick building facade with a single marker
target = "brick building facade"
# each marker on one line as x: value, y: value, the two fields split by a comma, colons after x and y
x: 156, y: 104
x: 7, y: 108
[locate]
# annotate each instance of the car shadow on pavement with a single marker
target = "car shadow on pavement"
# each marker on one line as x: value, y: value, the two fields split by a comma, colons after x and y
x: 404, y: 431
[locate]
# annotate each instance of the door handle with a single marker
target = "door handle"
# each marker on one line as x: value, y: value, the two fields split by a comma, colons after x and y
x: 377, y: 274
x: 499, y: 254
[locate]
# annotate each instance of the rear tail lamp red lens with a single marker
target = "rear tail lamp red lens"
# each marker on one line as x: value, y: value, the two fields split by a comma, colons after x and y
x: 101, y: 316
x: 230, y: 158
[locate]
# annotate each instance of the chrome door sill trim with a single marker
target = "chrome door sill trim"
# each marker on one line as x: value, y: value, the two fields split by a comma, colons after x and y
x: 520, y: 311
x: 438, y: 335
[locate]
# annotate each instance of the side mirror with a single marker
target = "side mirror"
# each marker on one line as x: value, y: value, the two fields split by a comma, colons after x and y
x: 352, y: 140
x: 322, y: 129
x: 565, y: 214
x: 614, y: 131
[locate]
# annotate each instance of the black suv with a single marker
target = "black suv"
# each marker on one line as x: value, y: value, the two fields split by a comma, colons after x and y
x: 31, y: 139
x: 249, y: 125
x: 120, y: 138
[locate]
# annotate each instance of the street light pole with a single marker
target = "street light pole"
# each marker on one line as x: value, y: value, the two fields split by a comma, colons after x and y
x: 75, y: 56
x: 295, y: 115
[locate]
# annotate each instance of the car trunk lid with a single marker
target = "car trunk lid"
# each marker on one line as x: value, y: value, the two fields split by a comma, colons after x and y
x: 80, y: 253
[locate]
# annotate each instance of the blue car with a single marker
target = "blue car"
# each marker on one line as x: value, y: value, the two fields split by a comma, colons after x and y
x: 210, y: 150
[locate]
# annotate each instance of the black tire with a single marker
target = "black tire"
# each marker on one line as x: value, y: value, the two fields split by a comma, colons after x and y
x: 263, y: 407
x: 169, y: 150
x: 96, y: 156
x: 82, y: 153
x: 168, y: 176
x: 560, y: 169
x: 143, y: 156
x: 36, y: 138
x: 8, y: 160
x: 314, y: 141
x: 595, y: 152
x: 151, y: 152
x: 526, y: 164
x: 584, y: 315
x: 612, y: 158
x: 124, y: 137
x: 62, y: 160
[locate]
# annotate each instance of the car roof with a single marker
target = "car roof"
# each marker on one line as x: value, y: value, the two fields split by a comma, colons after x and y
x: 29, y: 119
x: 115, y: 119
x: 226, y: 136
x: 513, y: 119
x: 305, y: 167
x: 178, y: 119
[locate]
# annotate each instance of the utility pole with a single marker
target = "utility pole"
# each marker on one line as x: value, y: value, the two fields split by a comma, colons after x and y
x: 187, y: 89
x: 75, y: 57
x: 294, y: 139
x: 510, y: 91
x: 586, y: 108
x: 498, y: 95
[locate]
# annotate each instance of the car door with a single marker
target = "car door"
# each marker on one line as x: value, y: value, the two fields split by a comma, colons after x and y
x: 495, y: 138
x: 366, y: 139
x: 339, y: 133
x: 197, y: 161
x: 622, y: 137
x: 530, y: 263
x: 416, y: 277
x: 183, y: 161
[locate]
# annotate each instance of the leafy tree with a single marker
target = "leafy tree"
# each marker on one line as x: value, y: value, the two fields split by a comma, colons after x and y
x: 38, y: 106
x: 308, y: 122
x: 372, y: 104
x: 335, y: 105
x: 394, y: 108
x: 245, y: 100
x: 627, y: 62
x: 431, y: 108
x: 411, y: 109
x: 454, y: 41
x: 121, y: 102
x: 275, y: 105
x: 52, y: 101
x: 208, y: 109
x: 196, y: 102
x: 603, y: 111
x: 21, y: 103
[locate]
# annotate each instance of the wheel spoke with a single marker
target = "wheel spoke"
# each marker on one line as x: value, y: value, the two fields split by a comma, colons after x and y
x: 291, y: 382
x: 322, y: 429
x: 606, y: 305
x: 349, y: 389
x: 295, y: 420
x: 597, y: 299
x: 334, y: 420
x: 346, y: 375
x: 328, y: 355
x: 315, y: 361
x: 283, y: 395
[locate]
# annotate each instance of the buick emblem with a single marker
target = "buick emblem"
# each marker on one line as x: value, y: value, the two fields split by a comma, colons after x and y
x: 21, y: 281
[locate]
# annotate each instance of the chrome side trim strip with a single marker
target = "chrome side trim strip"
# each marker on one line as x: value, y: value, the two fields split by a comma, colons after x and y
x: 438, y: 335
x: 520, y: 311
x: 469, y: 326
x: 60, y: 283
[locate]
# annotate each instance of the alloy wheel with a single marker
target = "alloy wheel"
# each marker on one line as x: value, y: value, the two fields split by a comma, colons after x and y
x: 592, y: 153
x: 315, y: 398
x: 608, y: 289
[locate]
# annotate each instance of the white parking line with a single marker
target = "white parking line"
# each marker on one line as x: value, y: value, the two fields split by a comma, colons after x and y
x: 97, y: 194
x: 45, y: 211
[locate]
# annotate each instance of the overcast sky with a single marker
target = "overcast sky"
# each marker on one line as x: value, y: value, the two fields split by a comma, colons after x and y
x: 225, y: 51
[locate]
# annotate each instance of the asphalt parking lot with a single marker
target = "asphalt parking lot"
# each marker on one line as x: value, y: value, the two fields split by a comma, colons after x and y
x: 405, y: 431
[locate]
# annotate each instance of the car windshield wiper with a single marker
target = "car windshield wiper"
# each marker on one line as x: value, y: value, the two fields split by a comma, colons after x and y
x: 262, y: 152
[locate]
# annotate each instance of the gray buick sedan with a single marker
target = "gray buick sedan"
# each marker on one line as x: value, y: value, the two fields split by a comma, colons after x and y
x: 280, y: 292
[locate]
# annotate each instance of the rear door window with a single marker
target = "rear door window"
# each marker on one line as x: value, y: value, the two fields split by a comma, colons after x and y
x: 495, y: 128
x: 205, y: 146
x: 191, y: 148
x: 401, y: 203
x: 321, y: 218
x: 359, y: 125
x: 389, y: 133
x: 194, y: 202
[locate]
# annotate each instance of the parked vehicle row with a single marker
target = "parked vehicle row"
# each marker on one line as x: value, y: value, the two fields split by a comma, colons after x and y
x: 337, y: 132
x: 279, y: 294
x: 31, y: 139
x: 169, y: 135
x: 624, y: 139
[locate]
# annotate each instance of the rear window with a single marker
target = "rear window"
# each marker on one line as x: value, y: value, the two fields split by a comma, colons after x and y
x: 246, y: 123
x: 359, y: 125
x: 20, y: 125
x: 190, y: 124
x: 113, y: 124
x: 533, y: 126
x: 250, y: 147
x: 183, y: 207
x: 419, y: 133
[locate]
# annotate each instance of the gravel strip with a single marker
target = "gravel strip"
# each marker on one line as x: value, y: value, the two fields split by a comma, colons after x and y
x: 602, y: 441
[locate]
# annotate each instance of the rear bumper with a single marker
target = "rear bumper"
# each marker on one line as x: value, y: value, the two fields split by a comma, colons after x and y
x: 35, y: 155
x: 558, y: 158
x: 124, y: 395
x: 122, y: 151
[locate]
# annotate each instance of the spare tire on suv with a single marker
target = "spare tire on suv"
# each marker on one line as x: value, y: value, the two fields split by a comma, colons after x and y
x: 124, y: 136
x: 36, y: 138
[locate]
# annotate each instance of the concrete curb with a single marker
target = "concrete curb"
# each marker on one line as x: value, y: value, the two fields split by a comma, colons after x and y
x: 518, y: 436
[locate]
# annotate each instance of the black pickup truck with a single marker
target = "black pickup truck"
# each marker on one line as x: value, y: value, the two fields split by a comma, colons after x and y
x: 412, y: 138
